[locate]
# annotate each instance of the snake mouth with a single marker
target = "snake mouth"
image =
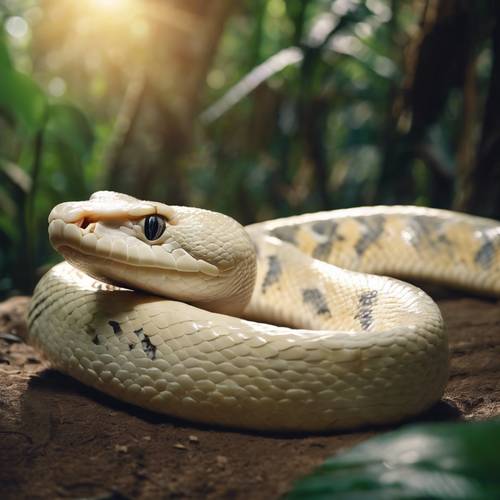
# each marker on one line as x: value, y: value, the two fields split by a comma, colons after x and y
x: 85, y: 223
x: 102, y: 268
x: 82, y: 239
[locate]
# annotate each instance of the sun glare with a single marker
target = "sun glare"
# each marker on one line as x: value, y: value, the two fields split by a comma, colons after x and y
x: 113, y: 9
x: 110, y: 4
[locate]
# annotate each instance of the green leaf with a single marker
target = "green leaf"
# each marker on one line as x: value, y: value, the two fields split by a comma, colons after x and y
x: 5, y: 61
x: 68, y: 125
x: 21, y: 97
x: 439, y: 461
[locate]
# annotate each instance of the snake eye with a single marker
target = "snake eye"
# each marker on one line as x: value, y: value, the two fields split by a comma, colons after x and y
x: 154, y: 226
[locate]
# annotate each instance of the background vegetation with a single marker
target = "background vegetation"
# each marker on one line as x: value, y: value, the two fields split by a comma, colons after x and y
x: 256, y: 108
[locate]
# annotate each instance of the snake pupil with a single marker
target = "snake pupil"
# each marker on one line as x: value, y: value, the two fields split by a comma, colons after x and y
x: 154, y: 226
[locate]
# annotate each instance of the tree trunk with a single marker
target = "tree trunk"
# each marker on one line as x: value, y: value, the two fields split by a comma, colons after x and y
x: 159, y: 129
x: 483, y: 194
x: 443, y: 59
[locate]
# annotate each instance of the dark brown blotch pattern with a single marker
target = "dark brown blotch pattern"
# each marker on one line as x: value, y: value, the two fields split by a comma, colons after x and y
x: 117, y: 329
x: 286, y: 233
x: 148, y: 348
x: 366, y: 302
x: 327, y: 229
x: 317, y: 300
x: 372, y: 230
x: 274, y: 271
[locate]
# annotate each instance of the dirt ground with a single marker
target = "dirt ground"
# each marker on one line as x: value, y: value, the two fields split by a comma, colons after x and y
x: 59, y: 439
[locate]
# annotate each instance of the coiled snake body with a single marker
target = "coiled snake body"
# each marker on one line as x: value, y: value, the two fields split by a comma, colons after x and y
x: 356, y: 348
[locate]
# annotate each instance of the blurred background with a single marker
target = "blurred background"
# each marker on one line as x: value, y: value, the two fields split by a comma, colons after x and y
x: 255, y: 108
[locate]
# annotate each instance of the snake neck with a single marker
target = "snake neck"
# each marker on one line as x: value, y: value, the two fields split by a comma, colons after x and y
x: 227, y: 293
x: 237, y: 291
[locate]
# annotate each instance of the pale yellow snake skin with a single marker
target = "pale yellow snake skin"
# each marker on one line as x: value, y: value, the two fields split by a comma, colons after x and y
x: 359, y: 349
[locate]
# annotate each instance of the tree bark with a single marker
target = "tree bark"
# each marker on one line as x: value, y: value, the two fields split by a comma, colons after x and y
x: 483, y: 195
x: 443, y: 59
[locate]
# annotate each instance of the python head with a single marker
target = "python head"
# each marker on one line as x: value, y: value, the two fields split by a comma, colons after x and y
x: 182, y: 253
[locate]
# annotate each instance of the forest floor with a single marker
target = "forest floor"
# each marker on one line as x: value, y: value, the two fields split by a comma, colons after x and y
x: 60, y: 439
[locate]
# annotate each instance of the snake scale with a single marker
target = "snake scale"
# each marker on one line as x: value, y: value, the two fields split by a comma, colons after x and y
x: 196, y: 340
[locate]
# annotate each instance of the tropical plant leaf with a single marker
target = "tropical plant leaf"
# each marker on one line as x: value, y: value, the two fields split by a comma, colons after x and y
x: 22, y: 98
x: 262, y: 72
x: 17, y: 175
x: 439, y: 461
x: 69, y: 125
x: 5, y: 61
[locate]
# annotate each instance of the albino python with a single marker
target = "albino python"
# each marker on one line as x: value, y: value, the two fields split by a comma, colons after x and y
x: 352, y: 349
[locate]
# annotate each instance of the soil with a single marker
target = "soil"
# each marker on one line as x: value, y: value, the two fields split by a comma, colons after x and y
x: 60, y: 439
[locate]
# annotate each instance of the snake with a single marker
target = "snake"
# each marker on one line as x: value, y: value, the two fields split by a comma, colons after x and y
x: 298, y: 324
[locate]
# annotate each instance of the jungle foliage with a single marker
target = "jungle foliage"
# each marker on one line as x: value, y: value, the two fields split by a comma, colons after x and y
x: 258, y: 109
x: 433, y: 461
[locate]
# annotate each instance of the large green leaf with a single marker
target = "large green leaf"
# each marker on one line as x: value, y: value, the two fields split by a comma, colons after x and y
x: 68, y: 125
x: 22, y: 98
x: 439, y: 461
x: 5, y: 61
